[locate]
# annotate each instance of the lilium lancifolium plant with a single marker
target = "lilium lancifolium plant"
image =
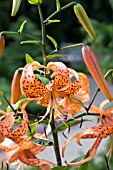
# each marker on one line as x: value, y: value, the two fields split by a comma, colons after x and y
x: 61, y: 94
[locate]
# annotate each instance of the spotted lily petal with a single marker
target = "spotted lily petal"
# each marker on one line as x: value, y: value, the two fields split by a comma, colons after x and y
x: 6, y: 125
x: 60, y: 75
x: 93, y: 67
x: 31, y: 86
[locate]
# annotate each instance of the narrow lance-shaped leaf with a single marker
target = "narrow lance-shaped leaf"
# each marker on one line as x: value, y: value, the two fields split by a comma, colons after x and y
x: 22, y: 26
x: 94, y: 69
x: 49, y: 57
x: 31, y: 42
x: 58, y: 5
x: 70, y: 124
x: 84, y: 20
x: 53, y: 41
x: 15, y: 7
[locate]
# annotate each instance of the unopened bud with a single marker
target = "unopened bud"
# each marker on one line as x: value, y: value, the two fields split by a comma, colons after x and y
x: 15, y: 87
x: 2, y: 44
x: 94, y: 69
x: 84, y: 20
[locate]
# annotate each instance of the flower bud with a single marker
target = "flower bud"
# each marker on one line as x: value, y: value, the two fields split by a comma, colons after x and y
x: 2, y: 44
x: 84, y: 20
x: 94, y: 69
x: 15, y: 7
x: 15, y: 87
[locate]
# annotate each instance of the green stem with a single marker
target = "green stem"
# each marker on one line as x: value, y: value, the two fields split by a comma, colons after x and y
x: 56, y: 143
x: 43, y: 34
x: 56, y: 12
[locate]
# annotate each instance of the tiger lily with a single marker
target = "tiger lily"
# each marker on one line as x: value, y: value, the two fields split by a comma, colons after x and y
x: 60, y: 88
x: 99, y: 132
x: 25, y: 152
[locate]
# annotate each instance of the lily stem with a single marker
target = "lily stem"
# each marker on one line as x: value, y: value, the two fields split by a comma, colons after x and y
x: 56, y: 143
x: 43, y: 34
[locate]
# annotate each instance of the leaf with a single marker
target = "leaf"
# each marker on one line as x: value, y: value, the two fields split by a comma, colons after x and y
x: 52, y: 21
x: 58, y: 5
x: 53, y: 41
x: 31, y: 42
x: 49, y: 57
x: 42, y: 141
x: 22, y: 26
x: 70, y: 124
x: 60, y: 168
x: 15, y: 7
x: 35, y: 2
x: 43, y: 80
x: 29, y: 59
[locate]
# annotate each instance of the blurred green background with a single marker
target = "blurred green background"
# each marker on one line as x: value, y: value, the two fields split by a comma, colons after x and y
x: 68, y: 30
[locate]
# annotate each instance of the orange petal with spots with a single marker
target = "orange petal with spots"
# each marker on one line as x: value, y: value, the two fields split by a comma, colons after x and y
x: 60, y: 75
x: 6, y: 125
x: 31, y: 86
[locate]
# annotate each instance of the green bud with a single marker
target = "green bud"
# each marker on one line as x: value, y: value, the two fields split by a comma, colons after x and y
x: 35, y: 2
x: 15, y: 7
x: 84, y: 20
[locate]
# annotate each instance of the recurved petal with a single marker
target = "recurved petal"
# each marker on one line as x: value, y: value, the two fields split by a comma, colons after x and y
x: 31, y: 86
x: 6, y: 125
x: 2, y: 44
x: 91, y: 155
x: 60, y: 75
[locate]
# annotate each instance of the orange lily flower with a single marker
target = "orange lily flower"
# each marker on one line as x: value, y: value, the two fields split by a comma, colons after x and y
x: 61, y: 88
x: 93, y: 67
x: 25, y: 152
x: 99, y: 132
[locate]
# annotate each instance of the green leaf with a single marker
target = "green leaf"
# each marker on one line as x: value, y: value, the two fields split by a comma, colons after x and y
x: 35, y: 2
x: 52, y: 21
x: 49, y: 57
x: 22, y: 26
x: 42, y: 141
x: 15, y: 7
x: 29, y: 59
x: 31, y: 42
x: 53, y: 41
x: 58, y: 5
x: 70, y: 124
x: 33, y: 128
x: 43, y: 80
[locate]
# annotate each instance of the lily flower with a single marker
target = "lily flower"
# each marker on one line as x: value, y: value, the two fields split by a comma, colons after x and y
x: 99, y: 132
x: 25, y: 152
x: 60, y: 87
x: 94, y: 68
